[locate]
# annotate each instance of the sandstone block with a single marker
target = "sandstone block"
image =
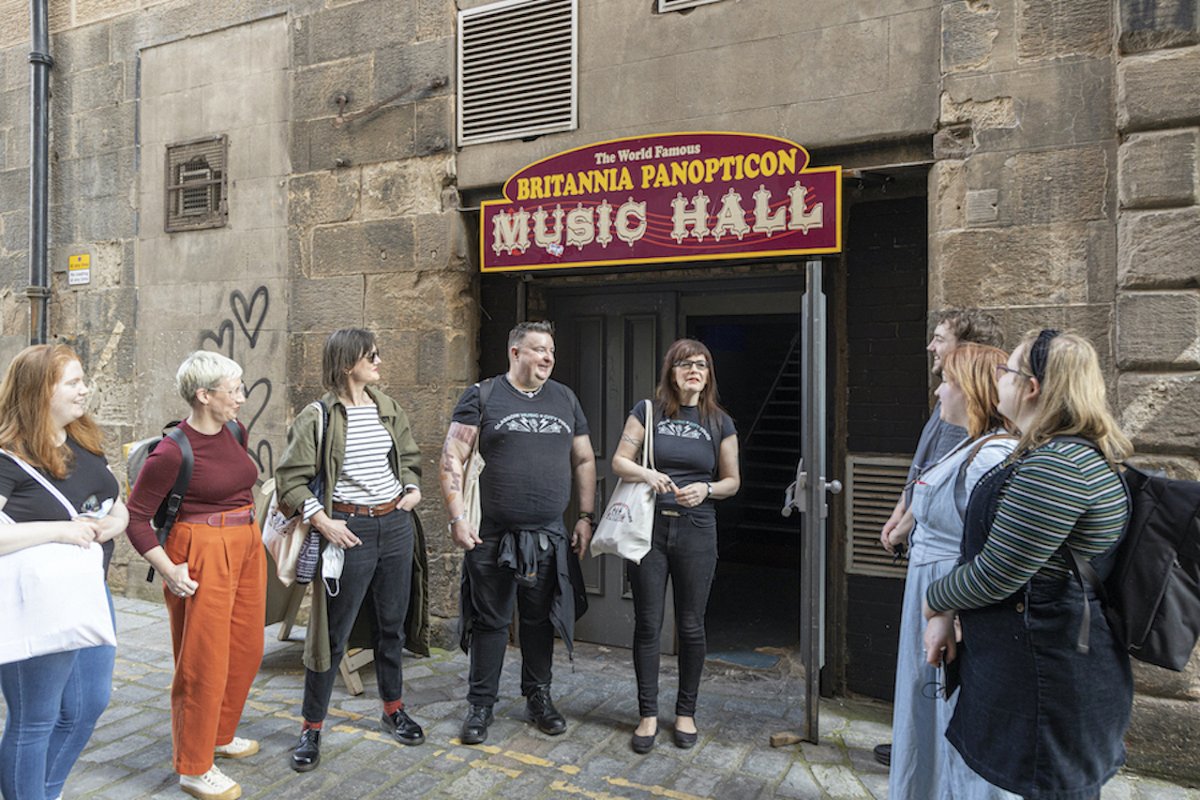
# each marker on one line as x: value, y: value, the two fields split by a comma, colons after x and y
x: 414, y: 70
x: 323, y: 197
x: 1161, y: 412
x: 1159, y: 89
x: 969, y: 35
x: 1158, y: 169
x: 354, y: 29
x: 435, y: 19
x: 441, y: 242
x: 1059, y: 185
x: 80, y: 48
x: 363, y: 247
x: 93, y: 88
x: 1158, y: 329
x: 415, y: 301
x: 1156, y: 249
x: 434, y: 131
x: 947, y: 195
x: 103, y: 129
x: 1158, y: 25
x: 326, y: 304
x: 322, y: 144
x: 1161, y: 736
x: 411, y: 186
x: 314, y: 88
x: 1187, y: 469
x: 1056, y: 28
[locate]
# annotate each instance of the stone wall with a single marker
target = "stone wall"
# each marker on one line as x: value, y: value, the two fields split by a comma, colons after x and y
x: 1158, y: 309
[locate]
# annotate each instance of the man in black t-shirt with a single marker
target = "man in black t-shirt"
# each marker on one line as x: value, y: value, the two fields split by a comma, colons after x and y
x: 533, y: 437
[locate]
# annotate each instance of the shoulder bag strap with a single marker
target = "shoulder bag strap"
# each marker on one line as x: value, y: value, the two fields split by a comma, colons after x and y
x: 46, y: 484
x: 648, y: 439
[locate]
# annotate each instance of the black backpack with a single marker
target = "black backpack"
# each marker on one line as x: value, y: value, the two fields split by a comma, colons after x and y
x: 1151, y: 596
x: 168, y: 510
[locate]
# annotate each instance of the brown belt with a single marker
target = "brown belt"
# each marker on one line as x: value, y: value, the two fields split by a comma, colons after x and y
x: 221, y: 519
x: 369, y: 511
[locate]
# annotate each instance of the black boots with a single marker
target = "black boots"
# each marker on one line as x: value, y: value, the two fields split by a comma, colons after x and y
x: 475, y: 726
x: 541, y: 711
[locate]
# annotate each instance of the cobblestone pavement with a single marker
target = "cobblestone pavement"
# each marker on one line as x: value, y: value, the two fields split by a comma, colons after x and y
x: 130, y: 753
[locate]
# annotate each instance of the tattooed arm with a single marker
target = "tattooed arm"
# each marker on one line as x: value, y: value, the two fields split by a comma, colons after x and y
x: 456, y: 451
x: 629, y: 452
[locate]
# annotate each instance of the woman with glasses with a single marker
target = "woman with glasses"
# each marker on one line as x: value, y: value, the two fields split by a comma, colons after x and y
x: 371, y: 468
x: 923, y: 763
x: 1046, y: 690
x: 213, y: 571
x: 696, y: 463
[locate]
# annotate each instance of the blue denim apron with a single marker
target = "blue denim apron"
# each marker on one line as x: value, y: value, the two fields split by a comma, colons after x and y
x: 1034, y: 715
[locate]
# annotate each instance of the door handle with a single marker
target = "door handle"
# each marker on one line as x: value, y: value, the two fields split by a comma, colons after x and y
x: 793, y: 493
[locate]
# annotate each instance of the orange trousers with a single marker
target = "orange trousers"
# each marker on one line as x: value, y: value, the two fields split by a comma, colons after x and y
x: 217, y: 635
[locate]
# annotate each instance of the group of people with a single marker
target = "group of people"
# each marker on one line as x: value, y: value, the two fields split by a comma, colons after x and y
x: 352, y: 469
x: 1009, y: 682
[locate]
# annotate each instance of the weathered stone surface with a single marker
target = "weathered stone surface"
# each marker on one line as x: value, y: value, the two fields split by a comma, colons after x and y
x: 948, y: 195
x: 327, y: 304
x: 1156, y: 249
x: 417, y: 300
x: 93, y: 88
x: 1187, y: 469
x: 314, y: 88
x: 969, y: 31
x: 1057, y: 28
x: 1158, y: 25
x: 1158, y: 329
x: 80, y: 48
x: 1058, y: 185
x: 435, y: 19
x: 363, y: 247
x: 103, y: 129
x: 1159, y: 682
x: 1158, y: 169
x: 354, y: 29
x: 1161, y: 736
x: 323, y: 197
x: 398, y: 188
x: 384, y: 136
x: 1160, y: 412
x: 414, y: 70
x: 434, y: 129
x: 441, y: 242
x: 1159, y: 89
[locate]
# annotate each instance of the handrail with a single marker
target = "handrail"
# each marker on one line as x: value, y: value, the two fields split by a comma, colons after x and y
x: 774, y: 385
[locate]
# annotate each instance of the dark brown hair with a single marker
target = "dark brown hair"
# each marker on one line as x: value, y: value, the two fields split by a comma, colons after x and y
x: 25, y: 425
x: 343, y: 349
x: 970, y: 325
x: 667, y: 394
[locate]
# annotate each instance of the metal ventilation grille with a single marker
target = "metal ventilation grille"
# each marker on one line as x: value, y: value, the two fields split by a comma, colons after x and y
x: 679, y: 5
x: 196, y: 183
x: 874, y: 484
x: 517, y: 69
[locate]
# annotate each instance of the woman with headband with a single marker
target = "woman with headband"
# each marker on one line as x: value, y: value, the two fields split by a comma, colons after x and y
x: 1046, y: 690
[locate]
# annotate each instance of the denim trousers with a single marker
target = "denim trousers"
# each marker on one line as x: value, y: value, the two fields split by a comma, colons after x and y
x: 684, y: 549
x: 53, y: 703
x: 494, y: 589
x: 382, y: 567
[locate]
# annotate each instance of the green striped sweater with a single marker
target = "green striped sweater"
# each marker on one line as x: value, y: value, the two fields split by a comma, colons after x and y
x: 1063, y: 491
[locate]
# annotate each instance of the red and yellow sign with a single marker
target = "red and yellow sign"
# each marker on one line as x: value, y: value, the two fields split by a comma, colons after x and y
x: 663, y: 199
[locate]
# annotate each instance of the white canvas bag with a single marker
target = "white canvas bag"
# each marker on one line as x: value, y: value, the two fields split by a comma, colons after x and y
x: 627, y: 525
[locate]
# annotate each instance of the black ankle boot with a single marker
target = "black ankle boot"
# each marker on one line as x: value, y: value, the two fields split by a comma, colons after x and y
x: 475, y: 726
x: 307, y: 754
x: 542, y: 712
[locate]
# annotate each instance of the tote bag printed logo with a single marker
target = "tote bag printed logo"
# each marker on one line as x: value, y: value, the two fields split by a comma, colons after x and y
x: 619, y: 512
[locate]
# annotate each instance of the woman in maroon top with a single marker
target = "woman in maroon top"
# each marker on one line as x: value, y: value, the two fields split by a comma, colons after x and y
x: 213, y: 574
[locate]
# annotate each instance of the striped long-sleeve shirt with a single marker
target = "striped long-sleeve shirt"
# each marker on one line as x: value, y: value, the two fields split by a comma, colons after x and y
x: 1064, y: 491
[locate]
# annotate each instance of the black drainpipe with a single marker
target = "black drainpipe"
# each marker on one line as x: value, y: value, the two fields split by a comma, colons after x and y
x: 40, y: 62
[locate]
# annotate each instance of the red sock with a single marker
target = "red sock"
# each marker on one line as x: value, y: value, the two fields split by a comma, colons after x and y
x: 392, y: 706
x: 312, y: 726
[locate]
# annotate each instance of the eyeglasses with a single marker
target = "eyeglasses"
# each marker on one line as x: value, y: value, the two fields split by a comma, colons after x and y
x: 1003, y: 368
x: 373, y: 356
x: 240, y: 391
x: 700, y: 365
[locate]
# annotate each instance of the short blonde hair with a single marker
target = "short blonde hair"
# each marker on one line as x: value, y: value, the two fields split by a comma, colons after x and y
x: 204, y: 369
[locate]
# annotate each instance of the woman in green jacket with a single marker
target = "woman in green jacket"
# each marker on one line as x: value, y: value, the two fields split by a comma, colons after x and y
x: 371, y: 472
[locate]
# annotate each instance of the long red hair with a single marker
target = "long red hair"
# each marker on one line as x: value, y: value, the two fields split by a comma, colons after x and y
x: 26, y: 428
x: 667, y: 393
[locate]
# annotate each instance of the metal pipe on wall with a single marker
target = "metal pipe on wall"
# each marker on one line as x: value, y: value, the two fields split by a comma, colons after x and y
x: 40, y: 63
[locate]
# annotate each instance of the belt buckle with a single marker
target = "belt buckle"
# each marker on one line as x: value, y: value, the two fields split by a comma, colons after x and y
x: 370, y: 511
x: 667, y: 512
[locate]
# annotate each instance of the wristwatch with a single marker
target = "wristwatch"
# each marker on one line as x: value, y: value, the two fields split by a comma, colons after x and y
x: 709, y: 485
x: 589, y: 516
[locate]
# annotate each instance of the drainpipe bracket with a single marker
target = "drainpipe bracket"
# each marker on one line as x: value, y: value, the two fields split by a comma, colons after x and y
x: 37, y: 57
x: 37, y: 291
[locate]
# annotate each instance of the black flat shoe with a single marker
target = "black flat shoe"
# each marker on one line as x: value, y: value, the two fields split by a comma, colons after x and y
x: 643, y: 744
x: 475, y: 726
x: 402, y: 728
x: 883, y: 754
x: 307, y: 754
x: 541, y: 711
x: 686, y: 741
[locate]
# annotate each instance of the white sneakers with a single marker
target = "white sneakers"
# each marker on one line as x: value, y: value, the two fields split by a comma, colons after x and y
x: 237, y: 748
x: 212, y: 785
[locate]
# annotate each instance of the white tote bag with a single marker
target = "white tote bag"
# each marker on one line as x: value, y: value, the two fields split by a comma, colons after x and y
x: 627, y: 525
x: 52, y: 594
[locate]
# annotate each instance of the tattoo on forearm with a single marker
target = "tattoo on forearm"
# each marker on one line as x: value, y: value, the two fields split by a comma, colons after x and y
x: 463, y: 433
x: 627, y: 438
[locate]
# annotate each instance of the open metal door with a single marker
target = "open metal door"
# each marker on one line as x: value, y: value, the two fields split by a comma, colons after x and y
x: 808, y: 495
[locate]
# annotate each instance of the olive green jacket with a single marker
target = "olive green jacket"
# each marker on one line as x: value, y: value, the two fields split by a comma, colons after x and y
x: 297, y: 468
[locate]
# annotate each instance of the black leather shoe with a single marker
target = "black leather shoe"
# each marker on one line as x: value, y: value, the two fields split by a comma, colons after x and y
x: 307, y: 754
x: 402, y: 728
x: 540, y: 709
x: 643, y: 744
x: 686, y: 741
x: 883, y: 754
x: 474, y: 728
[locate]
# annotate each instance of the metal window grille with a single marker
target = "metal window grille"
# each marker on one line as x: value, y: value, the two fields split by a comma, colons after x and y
x: 196, y: 184
x: 679, y: 5
x: 874, y: 484
x: 518, y: 70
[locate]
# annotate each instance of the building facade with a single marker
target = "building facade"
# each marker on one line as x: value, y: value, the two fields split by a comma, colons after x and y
x: 249, y: 175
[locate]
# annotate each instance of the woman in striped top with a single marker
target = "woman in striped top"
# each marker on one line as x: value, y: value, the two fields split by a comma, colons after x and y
x: 1046, y: 690
x: 371, y: 470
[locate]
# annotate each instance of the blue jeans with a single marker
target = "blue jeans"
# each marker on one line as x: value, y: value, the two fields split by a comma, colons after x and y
x: 53, y: 702
x: 683, y: 548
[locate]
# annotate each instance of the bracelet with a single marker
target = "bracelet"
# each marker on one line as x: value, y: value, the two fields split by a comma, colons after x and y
x: 457, y: 519
x: 589, y: 516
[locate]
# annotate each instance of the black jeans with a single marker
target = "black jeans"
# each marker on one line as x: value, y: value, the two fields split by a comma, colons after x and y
x: 382, y: 564
x: 493, y: 591
x: 685, y: 549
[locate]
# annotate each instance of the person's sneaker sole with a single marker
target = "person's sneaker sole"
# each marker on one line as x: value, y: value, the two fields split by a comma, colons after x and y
x: 249, y: 751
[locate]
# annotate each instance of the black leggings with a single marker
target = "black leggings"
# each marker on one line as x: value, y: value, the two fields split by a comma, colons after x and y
x: 685, y: 549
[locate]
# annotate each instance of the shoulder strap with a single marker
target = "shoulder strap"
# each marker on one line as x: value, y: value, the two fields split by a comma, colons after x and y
x: 46, y: 484
x: 175, y: 496
x: 648, y: 439
x: 485, y: 392
x: 236, y: 430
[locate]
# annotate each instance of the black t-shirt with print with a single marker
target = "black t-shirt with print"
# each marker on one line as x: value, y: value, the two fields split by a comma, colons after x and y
x: 526, y: 444
x: 89, y: 486
x: 684, y: 447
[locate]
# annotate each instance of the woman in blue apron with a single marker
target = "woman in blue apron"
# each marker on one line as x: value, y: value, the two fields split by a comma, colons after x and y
x: 1046, y: 691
